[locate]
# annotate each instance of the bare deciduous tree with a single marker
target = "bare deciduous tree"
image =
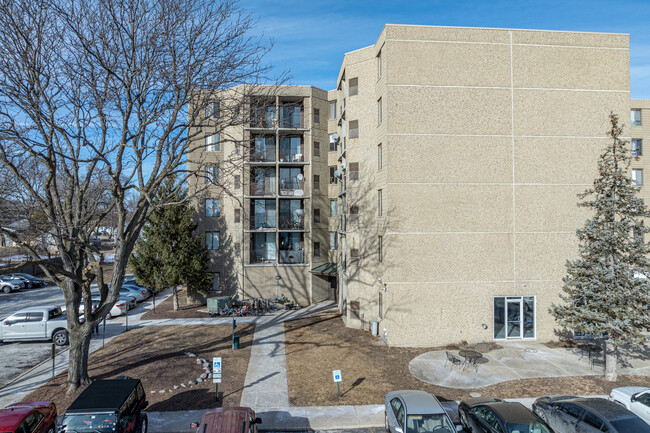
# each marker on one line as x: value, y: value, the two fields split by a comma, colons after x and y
x: 104, y: 100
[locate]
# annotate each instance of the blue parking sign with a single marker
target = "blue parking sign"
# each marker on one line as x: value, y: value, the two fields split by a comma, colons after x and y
x: 337, y: 375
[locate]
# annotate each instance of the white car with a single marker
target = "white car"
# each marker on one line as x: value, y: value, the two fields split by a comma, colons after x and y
x: 120, y: 307
x: 635, y: 398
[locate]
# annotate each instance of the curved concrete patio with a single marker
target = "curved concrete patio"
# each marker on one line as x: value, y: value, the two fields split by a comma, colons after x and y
x: 516, y: 360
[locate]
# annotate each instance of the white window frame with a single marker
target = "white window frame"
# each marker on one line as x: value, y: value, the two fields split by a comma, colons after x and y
x: 636, y: 120
x: 332, y: 110
x: 505, y: 297
x: 212, y: 143
x: 637, y: 147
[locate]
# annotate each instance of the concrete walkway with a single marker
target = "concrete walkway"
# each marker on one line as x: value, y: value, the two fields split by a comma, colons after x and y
x: 516, y: 360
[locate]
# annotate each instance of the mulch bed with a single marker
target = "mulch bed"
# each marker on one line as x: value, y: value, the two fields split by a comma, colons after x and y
x: 155, y: 355
x: 165, y: 309
x: 319, y: 344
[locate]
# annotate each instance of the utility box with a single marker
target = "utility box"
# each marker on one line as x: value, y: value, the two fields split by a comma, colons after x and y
x: 214, y: 304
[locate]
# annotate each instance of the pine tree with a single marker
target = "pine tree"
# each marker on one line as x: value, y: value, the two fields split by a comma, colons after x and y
x: 605, y: 292
x: 168, y: 254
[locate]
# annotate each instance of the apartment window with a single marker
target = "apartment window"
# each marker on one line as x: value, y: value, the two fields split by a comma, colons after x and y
x: 212, y: 174
x: 237, y: 149
x: 353, y: 87
x: 637, y: 148
x: 334, y: 205
x: 636, y: 117
x: 316, y: 148
x: 215, y: 282
x: 354, y: 129
x: 237, y: 215
x: 316, y: 249
x: 211, y: 208
x: 354, y: 253
x: 637, y: 176
x: 316, y: 181
x: 212, y: 143
x: 353, y: 171
x: 316, y: 215
x: 332, y: 109
x: 380, y: 211
x: 333, y: 178
x: 212, y: 110
x: 380, y: 249
x: 379, y: 116
x: 237, y: 248
x: 333, y: 244
x: 354, y: 210
x: 212, y: 240
x: 379, y: 65
x: 379, y: 157
x: 333, y: 144
x: 237, y: 181
x: 316, y: 115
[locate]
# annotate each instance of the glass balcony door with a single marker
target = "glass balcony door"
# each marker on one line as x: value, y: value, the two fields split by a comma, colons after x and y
x: 263, y: 149
x: 291, y: 148
x: 514, y: 317
x: 292, y: 214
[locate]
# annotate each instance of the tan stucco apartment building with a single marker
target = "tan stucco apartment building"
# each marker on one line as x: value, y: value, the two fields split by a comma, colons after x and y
x: 434, y: 191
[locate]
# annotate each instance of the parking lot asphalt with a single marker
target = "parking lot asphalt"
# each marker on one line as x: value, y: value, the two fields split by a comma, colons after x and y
x: 14, y: 301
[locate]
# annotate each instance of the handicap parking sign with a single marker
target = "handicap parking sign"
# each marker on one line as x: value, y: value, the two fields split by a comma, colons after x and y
x: 216, y: 365
x: 337, y: 375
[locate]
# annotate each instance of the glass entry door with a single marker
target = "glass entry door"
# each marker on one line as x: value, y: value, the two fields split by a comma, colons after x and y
x: 513, y: 309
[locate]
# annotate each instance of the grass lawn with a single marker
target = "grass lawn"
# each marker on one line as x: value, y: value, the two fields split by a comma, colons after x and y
x: 155, y: 355
x: 319, y: 344
x: 165, y: 309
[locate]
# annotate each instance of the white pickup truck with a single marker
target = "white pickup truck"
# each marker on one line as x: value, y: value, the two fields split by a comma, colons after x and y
x: 36, y: 323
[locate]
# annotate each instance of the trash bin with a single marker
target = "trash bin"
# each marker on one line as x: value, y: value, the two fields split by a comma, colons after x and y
x: 235, y: 342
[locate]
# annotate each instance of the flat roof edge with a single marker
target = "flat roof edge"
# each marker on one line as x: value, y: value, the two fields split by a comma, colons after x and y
x: 506, y: 29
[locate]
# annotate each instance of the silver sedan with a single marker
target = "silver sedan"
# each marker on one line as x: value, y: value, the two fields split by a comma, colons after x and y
x: 410, y: 411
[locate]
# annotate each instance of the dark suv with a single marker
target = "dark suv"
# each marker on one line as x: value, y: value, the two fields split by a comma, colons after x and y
x: 113, y: 405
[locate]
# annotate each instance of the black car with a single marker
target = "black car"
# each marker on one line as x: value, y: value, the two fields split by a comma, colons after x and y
x: 113, y: 405
x: 29, y: 280
x: 587, y: 415
x: 491, y: 415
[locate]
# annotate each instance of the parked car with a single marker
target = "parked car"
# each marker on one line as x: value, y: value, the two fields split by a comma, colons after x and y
x: 109, y: 405
x: 121, y: 306
x: 140, y: 294
x: 8, y: 284
x: 410, y: 411
x: 133, y: 283
x: 28, y: 417
x: 490, y: 415
x: 577, y: 414
x: 29, y: 280
x: 636, y: 399
x: 227, y: 420
x: 36, y: 323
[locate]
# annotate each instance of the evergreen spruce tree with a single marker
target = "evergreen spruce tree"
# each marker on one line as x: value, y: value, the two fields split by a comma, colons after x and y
x: 168, y: 254
x: 605, y: 292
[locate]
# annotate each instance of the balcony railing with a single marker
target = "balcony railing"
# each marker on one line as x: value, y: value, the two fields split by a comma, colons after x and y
x: 292, y: 186
x: 292, y: 256
x: 263, y: 188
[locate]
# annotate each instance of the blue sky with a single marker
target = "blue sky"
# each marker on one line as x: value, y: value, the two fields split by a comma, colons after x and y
x: 310, y: 37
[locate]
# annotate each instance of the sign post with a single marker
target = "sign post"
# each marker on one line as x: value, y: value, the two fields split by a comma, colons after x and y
x: 216, y: 375
x: 337, y: 378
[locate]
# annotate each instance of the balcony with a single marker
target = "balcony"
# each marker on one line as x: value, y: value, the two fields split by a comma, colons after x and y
x: 262, y: 181
x: 292, y: 148
x: 263, y: 214
x: 292, y: 181
x: 291, y: 117
x: 263, y: 248
x: 262, y: 149
x: 291, y: 248
x: 263, y: 117
x: 292, y: 215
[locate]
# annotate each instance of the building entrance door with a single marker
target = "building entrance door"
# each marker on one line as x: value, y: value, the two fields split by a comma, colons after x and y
x: 513, y: 309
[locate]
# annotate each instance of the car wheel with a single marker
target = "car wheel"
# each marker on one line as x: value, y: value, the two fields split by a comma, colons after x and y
x: 144, y: 424
x: 6, y: 289
x: 51, y: 429
x: 463, y: 419
x: 60, y: 337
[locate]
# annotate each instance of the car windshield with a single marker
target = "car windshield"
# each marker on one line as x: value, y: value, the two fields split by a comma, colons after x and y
x: 92, y: 422
x: 438, y: 423
x: 631, y: 425
x: 532, y: 427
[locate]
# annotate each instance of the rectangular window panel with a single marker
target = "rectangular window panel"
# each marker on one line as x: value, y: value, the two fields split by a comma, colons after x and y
x: 332, y: 109
x: 333, y: 244
x: 334, y: 208
x: 316, y: 182
x: 380, y: 251
x: 237, y: 215
x: 211, y: 208
x: 212, y: 110
x: 379, y: 65
x: 354, y: 171
x: 379, y: 157
x: 353, y: 88
x: 333, y: 178
x: 529, y: 316
x: 316, y: 249
x: 212, y: 240
x: 316, y: 148
x: 379, y: 112
x: 380, y: 209
x: 354, y: 129
x: 316, y: 215
x: 237, y: 181
x: 636, y: 117
x: 212, y: 143
x: 216, y: 277
x: 637, y: 177
x: 212, y: 174
x: 316, y: 115
x: 263, y: 248
x: 637, y: 147
x: 333, y: 144
x: 499, y: 317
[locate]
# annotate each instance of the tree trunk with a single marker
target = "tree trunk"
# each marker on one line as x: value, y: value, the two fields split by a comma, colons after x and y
x: 78, y: 364
x: 175, y: 296
x: 611, y: 359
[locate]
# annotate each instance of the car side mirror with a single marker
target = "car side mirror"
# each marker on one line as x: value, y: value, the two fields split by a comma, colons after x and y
x: 194, y: 425
x: 459, y: 428
x: 633, y: 398
x: 258, y: 420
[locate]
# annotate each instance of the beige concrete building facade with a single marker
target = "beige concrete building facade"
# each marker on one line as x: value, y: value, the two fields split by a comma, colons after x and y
x: 444, y: 170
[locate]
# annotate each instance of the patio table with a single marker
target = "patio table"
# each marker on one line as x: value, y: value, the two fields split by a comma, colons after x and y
x: 591, y: 349
x: 470, y: 356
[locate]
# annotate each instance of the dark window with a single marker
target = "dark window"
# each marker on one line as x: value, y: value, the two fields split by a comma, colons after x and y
x: 354, y: 210
x: 379, y: 157
x: 333, y: 178
x: 354, y: 253
x: 316, y: 148
x: 354, y: 86
x: 237, y: 248
x: 316, y: 181
x: 637, y: 147
x: 380, y: 249
x: 354, y: 171
x: 571, y: 410
x: 212, y: 110
x: 237, y: 215
x: 237, y: 181
x: 380, y: 206
x: 316, y: 215
x: 316, y: 249
x: 316, y: 115
x: 354, y: 129
x: 592, y: 420
x: 34, y: 317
